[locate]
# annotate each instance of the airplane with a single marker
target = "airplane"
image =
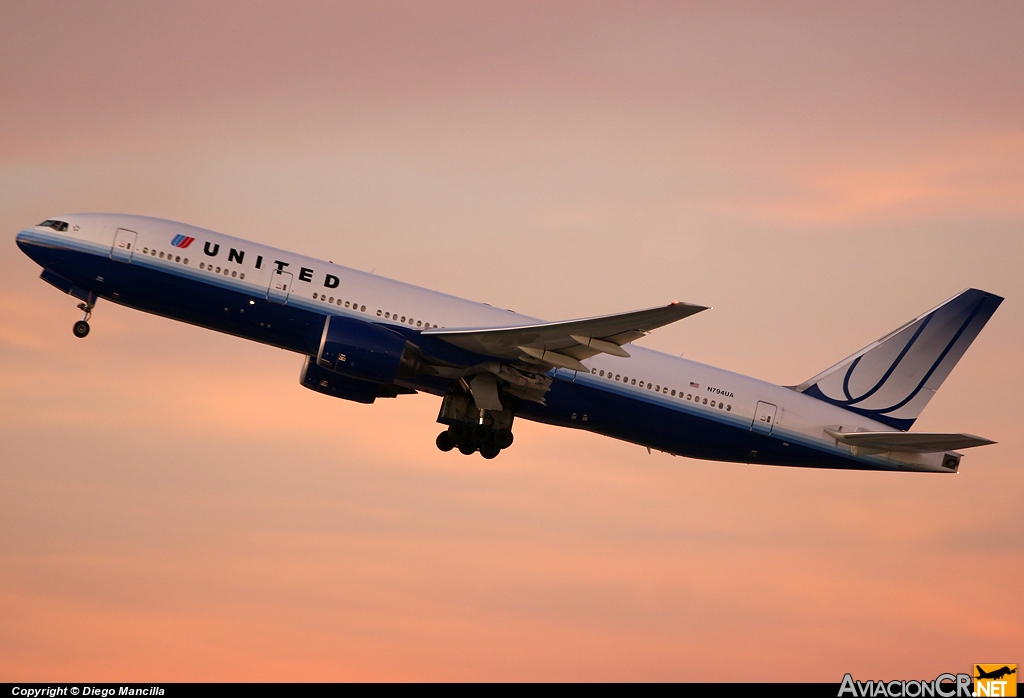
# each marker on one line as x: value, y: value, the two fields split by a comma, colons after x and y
x: 364, y: 337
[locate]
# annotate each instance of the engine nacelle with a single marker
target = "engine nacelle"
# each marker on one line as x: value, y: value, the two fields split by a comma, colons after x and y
x: 336, y: 385
x: 365, y: 351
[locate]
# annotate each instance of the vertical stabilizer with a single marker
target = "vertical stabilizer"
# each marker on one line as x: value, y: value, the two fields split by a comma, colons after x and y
x: 893, y: 379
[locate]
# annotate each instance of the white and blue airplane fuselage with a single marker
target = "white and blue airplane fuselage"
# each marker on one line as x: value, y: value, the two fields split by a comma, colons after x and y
x: 367, y: 337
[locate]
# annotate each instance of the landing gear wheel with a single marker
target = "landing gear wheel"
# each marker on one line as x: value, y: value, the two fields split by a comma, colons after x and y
x: 445, y: 442
x: 503, y: 438
x: 466, y: 448
x: 81, y: 328
x: 481, y: 434
x: 458, y: 431
x: 489, y: 450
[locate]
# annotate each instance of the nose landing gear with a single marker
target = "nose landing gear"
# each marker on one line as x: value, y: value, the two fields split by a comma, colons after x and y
x: 81, y: 328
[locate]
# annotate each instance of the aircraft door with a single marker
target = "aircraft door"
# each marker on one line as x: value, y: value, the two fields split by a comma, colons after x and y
x: 280, y: 287
x: 764, y: 418
x: 124, y: 246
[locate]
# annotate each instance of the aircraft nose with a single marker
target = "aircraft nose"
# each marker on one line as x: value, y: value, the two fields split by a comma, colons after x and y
x: 31, y: 237
x: 22, y: 240
x: 29, y: 243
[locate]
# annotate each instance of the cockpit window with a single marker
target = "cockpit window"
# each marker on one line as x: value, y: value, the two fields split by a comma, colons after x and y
x: 60, y: 226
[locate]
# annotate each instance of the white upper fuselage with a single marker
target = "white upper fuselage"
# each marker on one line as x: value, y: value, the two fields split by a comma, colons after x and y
x: 676, y: 383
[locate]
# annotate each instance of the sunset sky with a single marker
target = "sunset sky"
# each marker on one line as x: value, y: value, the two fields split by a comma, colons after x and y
x: 176, y: 507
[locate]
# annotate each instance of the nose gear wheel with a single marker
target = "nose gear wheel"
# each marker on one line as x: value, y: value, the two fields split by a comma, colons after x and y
x: 81, y: 328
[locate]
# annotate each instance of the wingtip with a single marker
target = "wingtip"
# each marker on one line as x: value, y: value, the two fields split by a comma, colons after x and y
x: 700, y: 308
x: 980, y: 291
x: 982, y: 441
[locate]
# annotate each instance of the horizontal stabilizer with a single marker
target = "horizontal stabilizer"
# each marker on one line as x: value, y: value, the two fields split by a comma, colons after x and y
x: 908, y: 441
x: 567, y: 342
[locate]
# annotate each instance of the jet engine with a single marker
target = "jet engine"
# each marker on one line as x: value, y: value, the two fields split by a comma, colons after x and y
x: 365, y: 352
x: 337, y: 385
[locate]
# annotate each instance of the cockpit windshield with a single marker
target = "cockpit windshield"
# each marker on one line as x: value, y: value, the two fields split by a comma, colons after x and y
x: 60, y: 226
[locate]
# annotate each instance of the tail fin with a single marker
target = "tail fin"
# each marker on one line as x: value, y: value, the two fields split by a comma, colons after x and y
x: 893, y: 379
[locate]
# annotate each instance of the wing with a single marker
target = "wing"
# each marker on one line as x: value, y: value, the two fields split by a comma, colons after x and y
x: 908, y: 441
x: 564, y: 344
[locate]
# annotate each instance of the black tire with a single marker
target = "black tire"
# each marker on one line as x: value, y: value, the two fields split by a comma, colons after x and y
x: 81, y: 328
x: 445, y: 442
x: 503, y: 438
x: 466, y: 448
x: 458, y: 430
x: 489, y: 450
x: 481, y: 434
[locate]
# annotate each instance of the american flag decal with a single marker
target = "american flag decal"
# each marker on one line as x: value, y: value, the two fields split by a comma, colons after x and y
x: 182, y: 241
x: 695, y: 385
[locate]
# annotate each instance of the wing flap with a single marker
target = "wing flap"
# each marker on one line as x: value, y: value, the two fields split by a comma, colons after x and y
x: 573, y: 339
x: 908, y: 441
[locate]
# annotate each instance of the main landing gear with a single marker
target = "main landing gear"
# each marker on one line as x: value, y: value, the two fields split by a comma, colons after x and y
x: 470, y: 438
x: 471, y: 429
x: 81, y: 327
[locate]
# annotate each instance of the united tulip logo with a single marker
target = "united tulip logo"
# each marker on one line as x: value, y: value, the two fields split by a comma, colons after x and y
x: 182, y: 241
